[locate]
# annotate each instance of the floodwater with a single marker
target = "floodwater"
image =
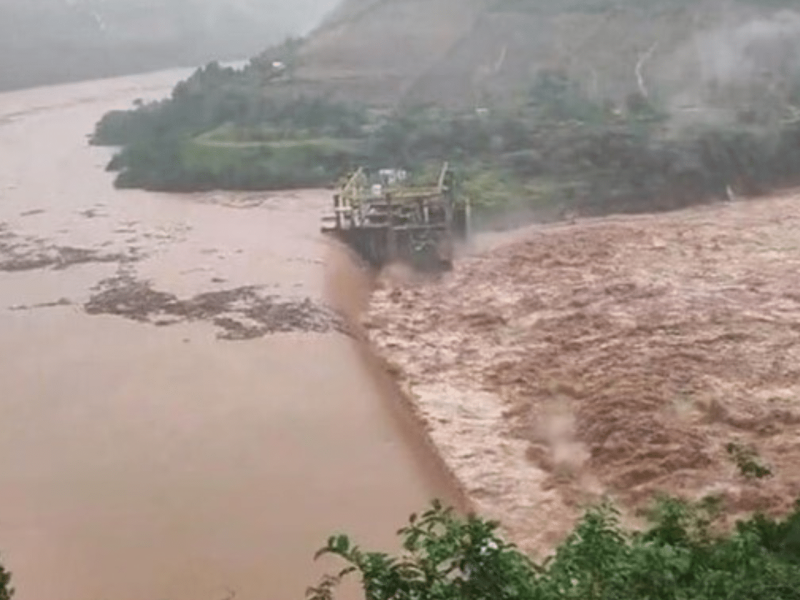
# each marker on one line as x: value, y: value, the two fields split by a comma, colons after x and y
x: 162, y: 462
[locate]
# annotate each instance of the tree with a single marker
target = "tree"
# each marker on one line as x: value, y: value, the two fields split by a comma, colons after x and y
x: 6, y: 591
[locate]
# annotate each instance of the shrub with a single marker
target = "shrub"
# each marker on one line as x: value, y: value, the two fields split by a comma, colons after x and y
x: 447, y: 557
x: 6, y: 591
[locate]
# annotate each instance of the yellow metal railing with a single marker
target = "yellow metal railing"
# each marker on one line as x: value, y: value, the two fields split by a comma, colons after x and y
x: 442, y: 175
x: 352, y: 190
x: 355, y: 189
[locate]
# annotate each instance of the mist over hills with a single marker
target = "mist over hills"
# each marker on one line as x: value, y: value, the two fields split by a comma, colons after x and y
x: 596, y: 104
x: 464, y: 53
x: 474, y: 52
x: 51, y: 41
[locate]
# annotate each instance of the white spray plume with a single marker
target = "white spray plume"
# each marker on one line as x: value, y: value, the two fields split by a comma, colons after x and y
x: 737, y: 65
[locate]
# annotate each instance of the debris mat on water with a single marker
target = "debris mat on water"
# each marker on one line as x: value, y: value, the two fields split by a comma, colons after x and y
x: 18, y: 253
x: 240, y: 313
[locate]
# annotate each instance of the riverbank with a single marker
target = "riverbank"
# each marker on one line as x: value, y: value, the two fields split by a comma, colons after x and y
x: 611, y: 357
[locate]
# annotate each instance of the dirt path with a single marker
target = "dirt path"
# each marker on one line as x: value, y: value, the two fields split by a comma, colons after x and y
x: 618, y: 356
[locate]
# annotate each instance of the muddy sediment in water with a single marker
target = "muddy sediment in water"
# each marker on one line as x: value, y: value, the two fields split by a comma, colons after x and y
x: 616, y: 357
x: 349, y: 287
x: 186, y: 411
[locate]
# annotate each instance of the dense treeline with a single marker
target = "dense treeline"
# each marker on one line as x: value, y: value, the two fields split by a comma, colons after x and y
x: 681, y: 555
x: 260, y: 143
x: 557, y: 148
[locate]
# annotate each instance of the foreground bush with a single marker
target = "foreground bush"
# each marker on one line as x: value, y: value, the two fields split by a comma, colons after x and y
x: 678, y: 557
x: 6, y: 591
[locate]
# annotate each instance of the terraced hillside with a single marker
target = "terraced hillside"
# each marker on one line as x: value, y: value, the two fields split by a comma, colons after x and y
x: 465, y: 52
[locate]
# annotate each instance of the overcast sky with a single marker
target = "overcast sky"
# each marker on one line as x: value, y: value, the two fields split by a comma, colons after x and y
x: 297, y: 15
x: 46, y: 41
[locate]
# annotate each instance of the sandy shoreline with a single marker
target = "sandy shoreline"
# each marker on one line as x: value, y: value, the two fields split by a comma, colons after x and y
x: 611, y: 357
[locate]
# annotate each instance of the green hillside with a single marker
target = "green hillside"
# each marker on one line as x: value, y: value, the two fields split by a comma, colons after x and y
x: 588, y: 105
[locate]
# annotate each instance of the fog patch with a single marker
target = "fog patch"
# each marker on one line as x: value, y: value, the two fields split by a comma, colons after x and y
x: 747, y: 66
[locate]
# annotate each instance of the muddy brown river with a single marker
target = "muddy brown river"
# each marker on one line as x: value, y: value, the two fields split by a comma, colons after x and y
x: 150, y: 457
